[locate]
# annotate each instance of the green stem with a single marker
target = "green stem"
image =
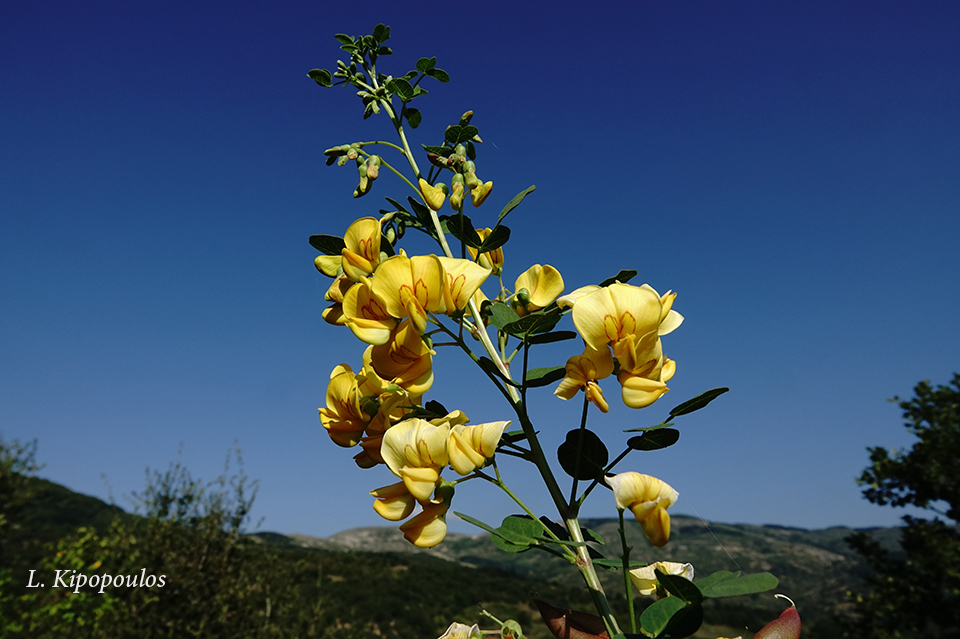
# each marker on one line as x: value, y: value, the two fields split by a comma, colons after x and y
x: 574, y: 505
x: 628, y: 587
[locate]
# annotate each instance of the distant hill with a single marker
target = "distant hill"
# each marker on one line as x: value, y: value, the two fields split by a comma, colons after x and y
x: 815, y: 567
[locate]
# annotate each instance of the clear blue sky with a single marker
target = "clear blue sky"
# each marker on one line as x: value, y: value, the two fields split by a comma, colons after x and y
x: 791, y: 169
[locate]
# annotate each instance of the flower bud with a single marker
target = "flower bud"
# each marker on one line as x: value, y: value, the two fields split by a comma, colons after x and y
x: 373, y: 167
x: 471, y: 180
x: 456, y: 199
x: 479, y: 194
x: 465, y: 118
x: 391, y: 234
x: 342, y: 160
x: 432, y: 195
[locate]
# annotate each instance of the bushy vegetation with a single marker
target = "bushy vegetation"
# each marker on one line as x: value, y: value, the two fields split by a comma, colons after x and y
x: 220, y: 582
x: 916, y: 592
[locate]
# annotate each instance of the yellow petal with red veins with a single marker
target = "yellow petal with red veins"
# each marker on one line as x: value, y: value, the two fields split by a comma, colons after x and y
x: 366, y: 314
x: 410, y: 287
x: 463, y: 279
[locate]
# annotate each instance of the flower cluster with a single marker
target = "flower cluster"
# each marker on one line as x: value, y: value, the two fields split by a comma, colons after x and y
x: 417, y: 451
x: 631, y: 320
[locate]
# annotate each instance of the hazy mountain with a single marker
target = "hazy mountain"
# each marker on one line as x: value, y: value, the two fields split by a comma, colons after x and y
x: 815, y: 567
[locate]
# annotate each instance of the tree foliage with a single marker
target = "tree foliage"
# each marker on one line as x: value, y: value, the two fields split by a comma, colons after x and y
x: 916, y: 594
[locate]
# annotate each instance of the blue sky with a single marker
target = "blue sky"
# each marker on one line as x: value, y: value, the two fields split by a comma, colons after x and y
x: 791, y: 169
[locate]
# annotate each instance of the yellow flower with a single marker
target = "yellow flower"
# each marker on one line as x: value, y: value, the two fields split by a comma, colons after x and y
x: 491, y: 259
x: 366, y: 314
x: 394, y: 502
x: 648, y: 499
x: 411, y: 287
x: 343, y: 417
x: 405, y: 360
x: 479, y: 194
x: 645, y: 579
x: 462, y: 278
x: 632, y: 319
x: 543, y: 285
x: 644, y: 371
x: 470, y: 446
x: 338, y: 289
x: 432, y: 195
x: 361, y: 253
x: 415, y: 451
x: 428, y: 529
x: 462, y: 631
x: 583, y: 371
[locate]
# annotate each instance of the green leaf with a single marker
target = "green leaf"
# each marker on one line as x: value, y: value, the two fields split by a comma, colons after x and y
x: 328, y: 244
x: 424, y: 64
x: 592, y: 453
x: 685, y: 622
x: 592, y: 535
x: 497, y: 238
x: 457, y: 134
x: 680, y: 587
x: 520, y: 528
x: 321, y: 77
x: 663, y: 424
x: 623, y: 277
x: 476, y: 522
x: 617, y: 563
x: 513, y: 436
x: 697, y: 402
x: 654, y: 439
x: 413, y: 116
x: 657, y: 615
x: 439, y: 74
x: 343, y: 38
x: 537, y: 377
x: 501, y: 314
x: 461, y: 228
x: 381, y: 33
x: 401, y: 88
x: 548, y: 338
x: 515, y: 201
x: 439, y: 150
x: 422, y: 213
x: 729, y: 584
x: 396, y: 205
x: 541, y: 321
x: 384, y: 51
x: 487, y: 364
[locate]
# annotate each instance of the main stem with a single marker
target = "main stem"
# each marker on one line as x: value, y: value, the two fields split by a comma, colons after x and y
x: 583, y: 562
